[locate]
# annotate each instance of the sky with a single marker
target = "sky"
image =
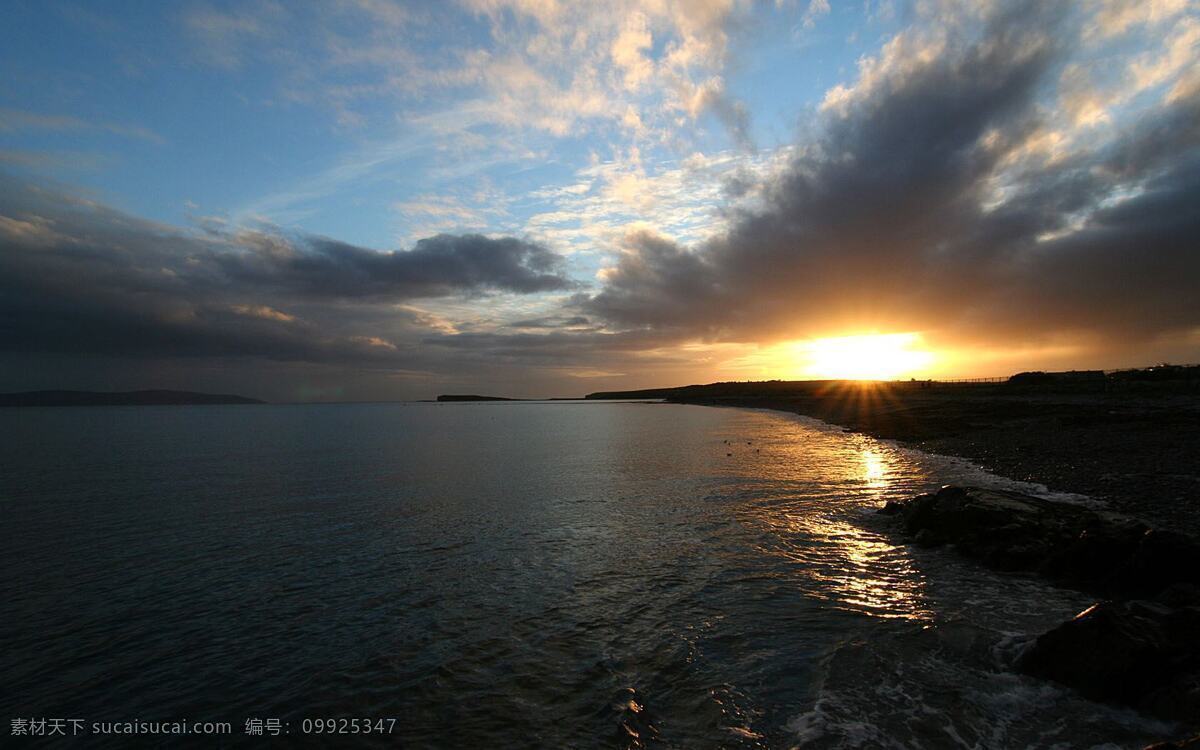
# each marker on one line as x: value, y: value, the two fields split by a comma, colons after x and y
x: 374, y: 200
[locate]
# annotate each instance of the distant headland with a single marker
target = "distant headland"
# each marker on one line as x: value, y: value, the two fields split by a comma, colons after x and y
x: 1157, y: 379
x: 472, y: 397
x: 120, y: 398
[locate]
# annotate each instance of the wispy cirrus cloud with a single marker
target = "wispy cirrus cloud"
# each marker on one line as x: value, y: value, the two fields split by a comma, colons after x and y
x: 633, y: 73
x: 14, y: 120
x: 688, y: 200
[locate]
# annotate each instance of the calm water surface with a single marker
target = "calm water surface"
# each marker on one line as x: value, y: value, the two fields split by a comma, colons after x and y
x: 509, y: 575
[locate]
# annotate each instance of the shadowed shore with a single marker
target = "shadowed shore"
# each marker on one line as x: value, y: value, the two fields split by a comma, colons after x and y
x: 1134, y: 444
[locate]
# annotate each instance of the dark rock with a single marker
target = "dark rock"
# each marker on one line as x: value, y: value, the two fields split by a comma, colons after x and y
x: 1180, y: 595
x: 1144, y: 652
x: 928, y: 538
x: 1140, y: 653
x: 1167, y: 555
x: 1102, y: 549
x: 1092, y: 550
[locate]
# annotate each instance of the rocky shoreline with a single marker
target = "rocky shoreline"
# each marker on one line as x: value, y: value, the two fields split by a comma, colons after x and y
x: 1130, y: 438
x: 1139, y: 452
x: 1138, y: 646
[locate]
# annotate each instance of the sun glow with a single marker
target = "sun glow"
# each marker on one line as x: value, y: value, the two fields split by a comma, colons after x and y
x: 870, y: 357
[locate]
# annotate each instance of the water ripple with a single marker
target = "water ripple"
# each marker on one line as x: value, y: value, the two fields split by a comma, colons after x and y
x: 607, y: 575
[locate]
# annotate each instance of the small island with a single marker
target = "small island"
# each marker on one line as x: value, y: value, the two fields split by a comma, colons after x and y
x: 472, y: 397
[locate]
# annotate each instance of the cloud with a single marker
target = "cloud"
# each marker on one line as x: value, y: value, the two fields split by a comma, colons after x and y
x: 14, y: 120
x: 687, y: 200
x: 629, y: 51
x: 475, y: 209
x: 816, y: 9
x: 77, y: 277
x: 711, y: 96
x: 552, y: 321
x: 915, y: 210
x: 264, y: 312
x: 437, y: 266
x: 529, y: 77
x: 1115, y: 17
x: 546, y: 67
x: 224, y: 36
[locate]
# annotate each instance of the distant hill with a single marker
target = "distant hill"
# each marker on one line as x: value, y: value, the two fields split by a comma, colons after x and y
x: 728, y: 389
x: 123, y: 398
x: 472, y: 397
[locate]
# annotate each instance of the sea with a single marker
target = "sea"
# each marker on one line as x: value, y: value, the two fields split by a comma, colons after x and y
x: 504, y: 575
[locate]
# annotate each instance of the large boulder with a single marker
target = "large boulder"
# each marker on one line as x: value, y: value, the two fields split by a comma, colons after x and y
x: 1093, y: 550
x: 1140, y: 653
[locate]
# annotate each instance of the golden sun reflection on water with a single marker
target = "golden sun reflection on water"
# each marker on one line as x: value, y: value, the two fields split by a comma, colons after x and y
x: 859, y: 570
x: 824, y: 487
x: 874, y: 468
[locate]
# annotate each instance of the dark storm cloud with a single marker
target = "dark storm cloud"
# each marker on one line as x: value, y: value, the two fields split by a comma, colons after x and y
x: 436, y: 267
x: 1135, y: 267
x: 919, y: 209
x: 79, y: 277
x: 562, y: 345
x: 552, y: 321
x: 563, y: 348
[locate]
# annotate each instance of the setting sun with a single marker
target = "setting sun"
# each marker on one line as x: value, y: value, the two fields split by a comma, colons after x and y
x: 868, y: 357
